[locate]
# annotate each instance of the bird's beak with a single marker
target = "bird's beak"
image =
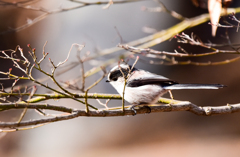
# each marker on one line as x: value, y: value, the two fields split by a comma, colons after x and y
x: 107, y: 81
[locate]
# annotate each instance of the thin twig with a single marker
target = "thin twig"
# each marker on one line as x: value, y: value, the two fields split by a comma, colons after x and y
x: 94, y: 84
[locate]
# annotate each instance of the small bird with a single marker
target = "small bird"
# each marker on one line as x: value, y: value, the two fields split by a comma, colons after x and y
x: 143, y: 87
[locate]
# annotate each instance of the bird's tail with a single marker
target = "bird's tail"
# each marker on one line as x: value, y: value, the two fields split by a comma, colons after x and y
x: 194, y: 86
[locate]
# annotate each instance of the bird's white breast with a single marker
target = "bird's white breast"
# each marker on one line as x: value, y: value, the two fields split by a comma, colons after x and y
x: 139, y: 95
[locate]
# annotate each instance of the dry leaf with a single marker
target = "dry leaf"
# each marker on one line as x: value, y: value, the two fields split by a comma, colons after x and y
x: 214, y: 8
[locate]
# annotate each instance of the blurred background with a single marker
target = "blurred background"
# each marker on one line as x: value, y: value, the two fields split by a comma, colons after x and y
x: 156, y: 134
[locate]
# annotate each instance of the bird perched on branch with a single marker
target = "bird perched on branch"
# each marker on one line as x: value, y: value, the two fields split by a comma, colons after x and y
x: 142, y: 87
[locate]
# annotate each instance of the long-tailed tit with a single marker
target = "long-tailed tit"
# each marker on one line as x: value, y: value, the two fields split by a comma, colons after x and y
x: 143, y: 87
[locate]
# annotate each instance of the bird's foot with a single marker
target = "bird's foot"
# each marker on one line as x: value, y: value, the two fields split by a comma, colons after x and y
x: 133, y: 109
x: 135, y: 112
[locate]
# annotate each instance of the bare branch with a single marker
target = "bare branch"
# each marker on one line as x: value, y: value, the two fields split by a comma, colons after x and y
x: 105, y: 105
x: 94, y: 84
x: 73, y: 113
x: 189, y: 62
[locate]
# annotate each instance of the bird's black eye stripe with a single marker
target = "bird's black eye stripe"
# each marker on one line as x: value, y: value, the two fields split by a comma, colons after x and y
x: 117, y: 73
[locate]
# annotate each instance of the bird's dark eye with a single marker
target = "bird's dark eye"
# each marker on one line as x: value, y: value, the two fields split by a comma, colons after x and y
x: 115, y: 79
x: 115, y: 75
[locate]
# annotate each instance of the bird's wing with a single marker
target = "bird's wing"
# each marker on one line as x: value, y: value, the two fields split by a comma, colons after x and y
x: 141, y: 78
x: 142, y: 82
